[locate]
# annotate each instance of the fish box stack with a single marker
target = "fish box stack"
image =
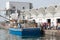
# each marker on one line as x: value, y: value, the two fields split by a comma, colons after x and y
x: 13, y: 23
x: 26, y: 25
x: 23, y: 21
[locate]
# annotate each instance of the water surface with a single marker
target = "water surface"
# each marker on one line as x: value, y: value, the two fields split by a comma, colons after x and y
x: 4, y: 35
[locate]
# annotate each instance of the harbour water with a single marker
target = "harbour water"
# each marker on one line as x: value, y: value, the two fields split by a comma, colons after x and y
x: 4, y: 35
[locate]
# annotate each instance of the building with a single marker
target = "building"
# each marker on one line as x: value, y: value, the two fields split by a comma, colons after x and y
x: 11, y: 7
x: 49, y: 15
x: 18, y: 5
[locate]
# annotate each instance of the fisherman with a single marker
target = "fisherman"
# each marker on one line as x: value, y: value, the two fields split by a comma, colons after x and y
x: 19, y: 25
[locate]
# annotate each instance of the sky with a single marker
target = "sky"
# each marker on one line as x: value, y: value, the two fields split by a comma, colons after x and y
x: 36, y: 3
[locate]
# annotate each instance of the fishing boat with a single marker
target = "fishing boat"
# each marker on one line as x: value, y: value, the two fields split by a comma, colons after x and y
x: 26, y: 31
x: 24, y: 28
x: 32, y: 30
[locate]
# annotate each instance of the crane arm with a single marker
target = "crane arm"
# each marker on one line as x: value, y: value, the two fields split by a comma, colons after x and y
x: 4, y: 17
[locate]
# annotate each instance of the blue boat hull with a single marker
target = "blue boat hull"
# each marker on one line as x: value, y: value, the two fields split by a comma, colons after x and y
x: 28, y: 32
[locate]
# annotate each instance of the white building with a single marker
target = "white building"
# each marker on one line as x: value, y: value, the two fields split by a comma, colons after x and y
x: 50, y: 15
x: 19, y: 5
x: 11, y: 7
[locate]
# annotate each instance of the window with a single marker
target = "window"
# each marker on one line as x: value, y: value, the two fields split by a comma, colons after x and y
x: 23, y: 7
x: 18, y: 11
x: 45, y: 7
x: 49, y: 20
x: 58, y: 20
x: 12, y: 11
x: 13, y: 7
x: 55, y: 6
x: 30, y: 6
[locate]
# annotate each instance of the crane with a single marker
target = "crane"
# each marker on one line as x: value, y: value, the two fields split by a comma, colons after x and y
x: 1, y: 9
x: 4, y: 17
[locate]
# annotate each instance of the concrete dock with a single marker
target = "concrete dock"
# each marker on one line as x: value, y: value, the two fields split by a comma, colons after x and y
x: 52, y: 32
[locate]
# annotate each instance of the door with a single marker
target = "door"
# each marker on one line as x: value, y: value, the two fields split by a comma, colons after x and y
x: 58, y: 20
x: 49, y: 21
x: 58, y: 23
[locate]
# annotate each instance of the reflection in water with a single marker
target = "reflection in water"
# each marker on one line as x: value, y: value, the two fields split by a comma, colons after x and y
x: 4, y: 35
